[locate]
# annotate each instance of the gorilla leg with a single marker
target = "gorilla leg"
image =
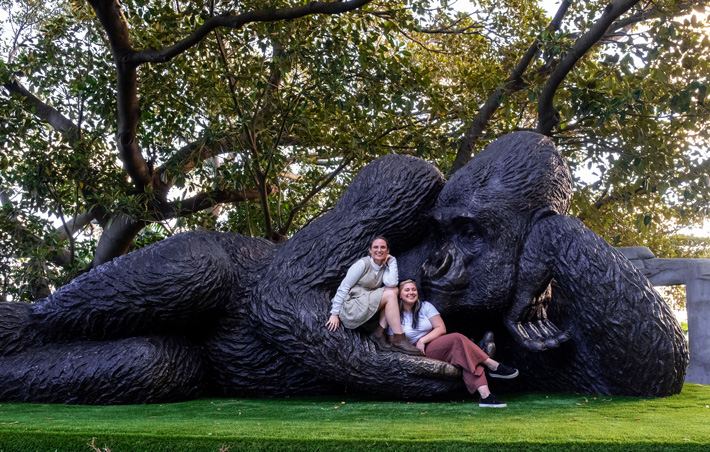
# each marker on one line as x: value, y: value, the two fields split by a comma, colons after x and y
x: 180, y: 281
x: 134, y: 370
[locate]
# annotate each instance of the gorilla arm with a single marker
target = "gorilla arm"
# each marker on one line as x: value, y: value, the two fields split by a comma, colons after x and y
x: 389, y: 197
x: 179, y: 285
x: 526, y: 319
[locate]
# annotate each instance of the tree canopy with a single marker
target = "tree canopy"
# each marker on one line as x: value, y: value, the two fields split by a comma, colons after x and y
x: 128, y: 122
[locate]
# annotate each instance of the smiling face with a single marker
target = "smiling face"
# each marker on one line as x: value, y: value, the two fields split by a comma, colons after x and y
x: 409, y: 295
x: 379, y: 251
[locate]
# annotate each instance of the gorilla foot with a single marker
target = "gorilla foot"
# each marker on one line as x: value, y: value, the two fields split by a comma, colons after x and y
x: 487, y: 344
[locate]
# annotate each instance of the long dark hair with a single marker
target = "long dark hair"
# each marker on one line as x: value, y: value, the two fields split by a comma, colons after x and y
x: 417, y: 305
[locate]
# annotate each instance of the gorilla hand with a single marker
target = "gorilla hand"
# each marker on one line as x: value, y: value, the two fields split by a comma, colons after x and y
x: 528, y: 323
x: 360, y: 362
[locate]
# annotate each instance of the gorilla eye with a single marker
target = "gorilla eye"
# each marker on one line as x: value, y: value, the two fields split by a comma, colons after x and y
x: 469, y: 232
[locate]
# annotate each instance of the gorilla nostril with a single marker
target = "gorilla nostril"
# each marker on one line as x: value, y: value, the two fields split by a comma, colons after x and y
x: 440, y: 265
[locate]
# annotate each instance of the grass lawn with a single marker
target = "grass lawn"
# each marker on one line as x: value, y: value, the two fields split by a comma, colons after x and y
x: 532, y: 422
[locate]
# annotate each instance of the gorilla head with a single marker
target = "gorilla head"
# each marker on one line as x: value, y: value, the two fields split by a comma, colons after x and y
x: 483, y: 215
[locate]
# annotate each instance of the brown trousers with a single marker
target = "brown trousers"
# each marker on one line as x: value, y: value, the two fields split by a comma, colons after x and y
x: 457, y: 349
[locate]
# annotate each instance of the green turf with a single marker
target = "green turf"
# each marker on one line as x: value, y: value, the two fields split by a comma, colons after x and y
x: 532, y: 422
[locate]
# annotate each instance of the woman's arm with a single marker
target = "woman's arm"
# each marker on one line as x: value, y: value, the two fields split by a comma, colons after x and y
x: 354, y: 274
x: 391, y: 276
x: 438, y: 330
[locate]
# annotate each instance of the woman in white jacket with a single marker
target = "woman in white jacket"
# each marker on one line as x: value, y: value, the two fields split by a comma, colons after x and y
x: 369, y: 287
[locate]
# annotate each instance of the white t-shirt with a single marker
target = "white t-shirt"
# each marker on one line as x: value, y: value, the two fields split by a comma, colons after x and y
x: 423, y: 327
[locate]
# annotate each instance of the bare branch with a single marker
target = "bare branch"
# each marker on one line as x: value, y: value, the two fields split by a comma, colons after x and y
x: 610, y: 198
x: 5, y: 197
x: 229, y: 21
x: 205, y: 201
x: 291, y: 176
x: 74, y: 225
x: 116, y: 238
x: 548, y: 117
x: 45, y: 112
x: 445, y: 31
x: 422, y: 45
x: 513, y: 83
x: 187, y: 157
x: 314, y: 191
x: 20, y: 233
x: 116, y: 27
x: 651, y: 11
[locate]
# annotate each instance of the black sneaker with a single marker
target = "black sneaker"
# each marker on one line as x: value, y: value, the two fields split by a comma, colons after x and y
x: 491, y: 402
x: 503, y: 372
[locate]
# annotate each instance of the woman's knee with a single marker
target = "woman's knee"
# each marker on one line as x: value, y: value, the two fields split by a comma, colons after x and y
x: 458, y: 337
x: 389, y: 295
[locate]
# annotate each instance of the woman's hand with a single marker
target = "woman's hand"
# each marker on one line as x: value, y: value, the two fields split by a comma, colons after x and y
x: 333, y: 323
x: 421, y: 346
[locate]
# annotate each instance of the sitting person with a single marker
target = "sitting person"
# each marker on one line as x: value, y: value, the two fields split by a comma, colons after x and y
x: 361, y: 295
x: 424, y: 327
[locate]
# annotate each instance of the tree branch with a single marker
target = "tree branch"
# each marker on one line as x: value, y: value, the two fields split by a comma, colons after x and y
x: 229, y: 21
x: 548, y: 117
x: 21, y: 234
x: 116, y: 27
x: 651, y: 11
x: 75, y: 224
x: 314, y: 191
x: 513, y: 83
x: 608, y: 198
x: 187, y: 157
x: 204, y: 201
x: 448, y: 30
x: 46, y: 113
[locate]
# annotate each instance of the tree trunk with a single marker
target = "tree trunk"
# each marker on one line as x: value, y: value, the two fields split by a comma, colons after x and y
x: 116, y: 238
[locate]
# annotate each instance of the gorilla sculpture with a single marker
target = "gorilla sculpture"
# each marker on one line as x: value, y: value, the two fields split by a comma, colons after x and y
x: 206, y: 313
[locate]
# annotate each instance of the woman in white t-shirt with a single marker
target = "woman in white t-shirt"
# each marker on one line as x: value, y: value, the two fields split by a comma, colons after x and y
x: 424, y: 327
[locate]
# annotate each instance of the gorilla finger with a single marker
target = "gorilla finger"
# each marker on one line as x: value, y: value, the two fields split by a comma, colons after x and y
x: 552, y: 327
x: 533, y: 331
x: 427, y: 367
x: 564, y: 336
x: 534, y: 346
x: 522, y: 337
x: 551, y: 342
x: 544, y: 328
x: 519, y: 333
